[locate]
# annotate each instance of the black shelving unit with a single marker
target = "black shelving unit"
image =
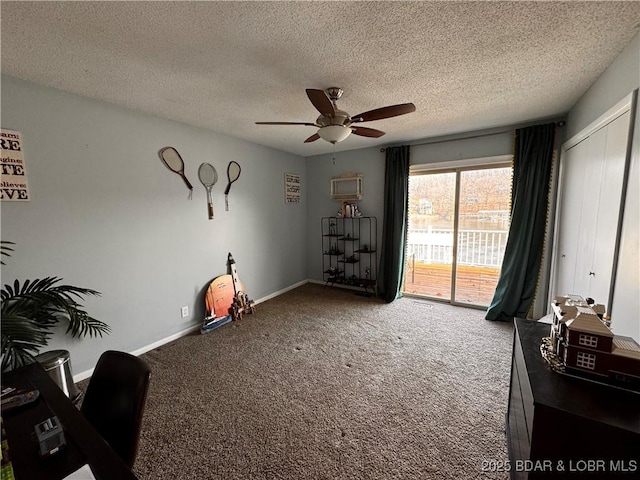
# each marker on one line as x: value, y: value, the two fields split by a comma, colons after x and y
x: 349, y: 255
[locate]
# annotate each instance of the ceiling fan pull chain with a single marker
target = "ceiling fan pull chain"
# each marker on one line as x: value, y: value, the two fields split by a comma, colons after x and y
x: 334, y: 153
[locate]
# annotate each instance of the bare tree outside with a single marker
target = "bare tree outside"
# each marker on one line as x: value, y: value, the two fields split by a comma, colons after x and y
x: 483, y: 225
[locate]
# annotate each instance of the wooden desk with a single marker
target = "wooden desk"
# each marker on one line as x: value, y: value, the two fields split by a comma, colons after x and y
x: 590, y: 430
x: 84, y: 443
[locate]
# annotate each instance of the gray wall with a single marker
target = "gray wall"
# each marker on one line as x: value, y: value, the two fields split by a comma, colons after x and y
x: 482, y: 144
x: 620, y: 79
x: 368, y: 162
x: 106, y: 214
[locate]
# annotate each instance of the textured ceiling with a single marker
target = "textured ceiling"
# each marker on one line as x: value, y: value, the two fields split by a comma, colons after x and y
x: 225, y: 65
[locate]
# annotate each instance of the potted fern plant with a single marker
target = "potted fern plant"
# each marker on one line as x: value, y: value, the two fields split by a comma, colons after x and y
x: 30, y: 310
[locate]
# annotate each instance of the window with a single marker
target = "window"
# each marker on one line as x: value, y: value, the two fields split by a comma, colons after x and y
x: 458, y: 224
x: 586, y: 360
x: 588, y: 340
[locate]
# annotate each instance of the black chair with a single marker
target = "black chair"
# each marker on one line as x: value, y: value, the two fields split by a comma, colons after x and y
x: 115, y: 399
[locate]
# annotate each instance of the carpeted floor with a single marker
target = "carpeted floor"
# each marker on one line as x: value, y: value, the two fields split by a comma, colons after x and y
x: 324, y: 384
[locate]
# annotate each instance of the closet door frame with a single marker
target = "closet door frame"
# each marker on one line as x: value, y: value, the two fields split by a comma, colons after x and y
x: 627, y: 104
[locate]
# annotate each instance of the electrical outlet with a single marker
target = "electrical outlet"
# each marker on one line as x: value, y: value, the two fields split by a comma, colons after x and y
x: 185, y: 311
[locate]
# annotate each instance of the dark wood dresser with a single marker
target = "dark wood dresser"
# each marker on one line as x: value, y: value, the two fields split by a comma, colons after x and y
x: 563, y: 427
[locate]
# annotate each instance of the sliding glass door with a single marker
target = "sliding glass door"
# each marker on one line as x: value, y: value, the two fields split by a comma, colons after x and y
x: 432, y: 204
x: 457, y: 231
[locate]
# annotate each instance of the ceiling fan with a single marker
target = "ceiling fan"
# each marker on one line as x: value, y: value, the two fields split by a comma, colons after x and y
x: 335, y: 125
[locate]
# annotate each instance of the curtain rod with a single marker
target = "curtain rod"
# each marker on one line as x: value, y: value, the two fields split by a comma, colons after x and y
x: 469, y: 137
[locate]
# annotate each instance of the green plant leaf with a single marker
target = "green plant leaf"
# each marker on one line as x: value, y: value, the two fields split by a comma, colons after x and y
x: 30, y: 311
x: 5, y: 249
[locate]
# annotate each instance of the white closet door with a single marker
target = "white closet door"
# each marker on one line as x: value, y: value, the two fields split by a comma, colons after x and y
x: 570, y: 213
x: 592, y: 165
x: 589, y: 211
x: 608, y: 212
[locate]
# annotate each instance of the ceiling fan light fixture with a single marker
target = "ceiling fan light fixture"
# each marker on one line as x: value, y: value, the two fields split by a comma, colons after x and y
x: 335, y: 125
x: 334, y: 133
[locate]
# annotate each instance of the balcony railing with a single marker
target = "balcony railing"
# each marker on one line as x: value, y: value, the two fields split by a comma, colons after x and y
x: 483, y: 248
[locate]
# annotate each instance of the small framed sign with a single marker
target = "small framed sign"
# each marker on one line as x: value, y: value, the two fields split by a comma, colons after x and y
x: 13, y: 181
x: 291, y: 188
x: 346, y: 187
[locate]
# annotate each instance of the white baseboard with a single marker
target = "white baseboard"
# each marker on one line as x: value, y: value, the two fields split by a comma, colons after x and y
x: 183, y: 333
x: 78, y: 377
x: 87, y: 373
x: 163, y: 341
x: 280, y: 292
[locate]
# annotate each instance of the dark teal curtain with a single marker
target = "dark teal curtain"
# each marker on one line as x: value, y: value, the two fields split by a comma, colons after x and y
x: 532, y: 158
x: 396, y: 199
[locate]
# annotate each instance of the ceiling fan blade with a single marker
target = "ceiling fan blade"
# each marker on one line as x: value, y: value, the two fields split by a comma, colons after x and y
x: 322, y: 103
x: 384, y: 112
x: 367, y: 132
x: 287, y: 123
x: 312, y: 138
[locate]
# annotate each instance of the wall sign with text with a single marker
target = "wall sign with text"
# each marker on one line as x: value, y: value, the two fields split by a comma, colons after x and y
x: 291, y: 188
x: 13, y: 181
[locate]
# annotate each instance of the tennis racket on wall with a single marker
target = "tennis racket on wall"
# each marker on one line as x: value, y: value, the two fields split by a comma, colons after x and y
x: 233, y: 173
x: 208, y: 177
x: 173, y: 161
